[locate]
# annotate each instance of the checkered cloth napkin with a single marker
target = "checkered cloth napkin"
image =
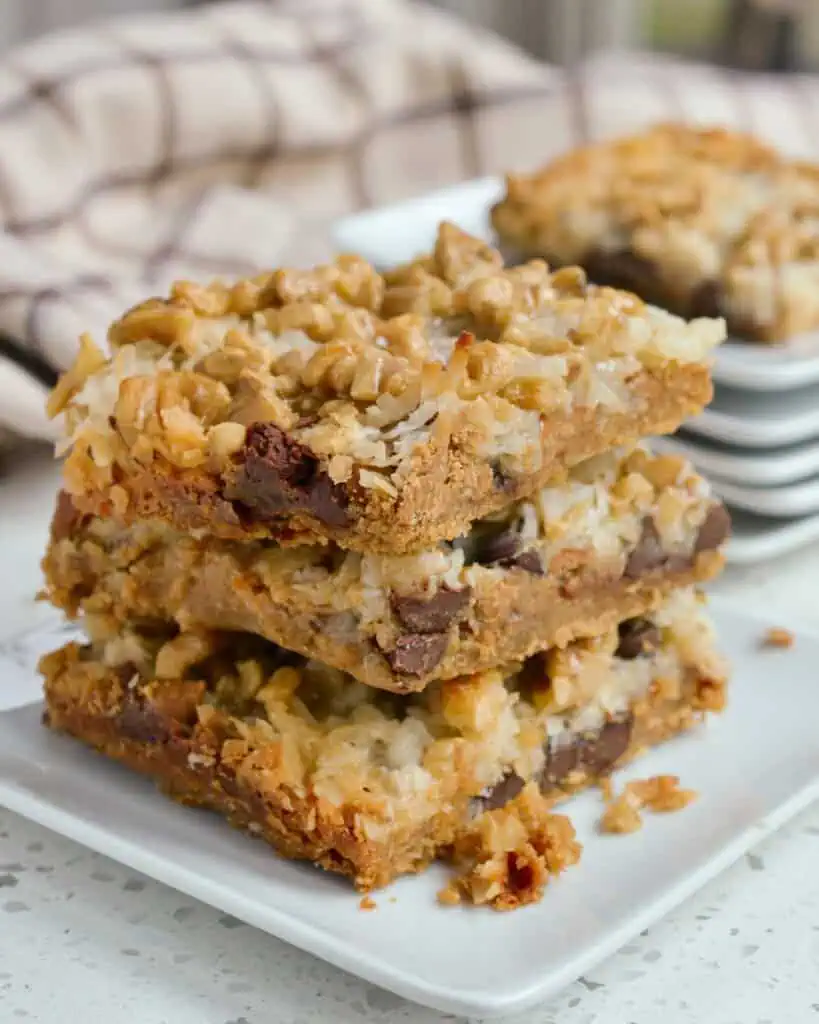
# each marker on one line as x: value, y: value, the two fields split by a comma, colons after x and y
x: 222, y: 141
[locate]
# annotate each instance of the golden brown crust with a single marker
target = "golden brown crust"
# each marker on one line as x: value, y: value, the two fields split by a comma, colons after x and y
x: 701, y: 221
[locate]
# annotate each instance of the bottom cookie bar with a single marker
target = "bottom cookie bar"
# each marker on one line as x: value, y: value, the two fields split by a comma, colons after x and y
x: 368, y: 783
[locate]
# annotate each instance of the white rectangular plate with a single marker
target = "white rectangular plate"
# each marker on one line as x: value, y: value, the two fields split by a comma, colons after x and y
x: 399, y: 232
x: 754, y: 767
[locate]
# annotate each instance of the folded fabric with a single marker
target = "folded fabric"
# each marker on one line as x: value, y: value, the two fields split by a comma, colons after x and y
x: 220, y: 141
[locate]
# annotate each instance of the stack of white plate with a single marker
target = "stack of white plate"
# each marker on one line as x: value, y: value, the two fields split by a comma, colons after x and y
x: 758, y: 442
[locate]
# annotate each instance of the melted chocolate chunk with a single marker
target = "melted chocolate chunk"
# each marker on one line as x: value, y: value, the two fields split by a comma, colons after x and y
x: 637, y: 637
x: 430, y: 614
x: 648, y: 554
x: 161, y: 716
x: 561, y: 761
x: 596, y: 753
x: 139, y: 720
x: 601, y: 751
x: 706, y: 300
x: 502, y: 549
x: 502, y: 480
x: 529, y: 561
x: 498, y: 795
x: 625, y: 269
x: 499, y: 547
x: 415, y: 654
x: 715, y: 529
x: 276, y: 475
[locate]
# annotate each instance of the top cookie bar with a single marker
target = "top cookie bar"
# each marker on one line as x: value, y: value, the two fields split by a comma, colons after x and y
x: 704, y: 222
x: 383, y: 412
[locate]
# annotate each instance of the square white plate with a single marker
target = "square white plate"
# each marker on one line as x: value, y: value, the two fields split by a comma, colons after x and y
x: 395, y: 233
x: 751, y: 774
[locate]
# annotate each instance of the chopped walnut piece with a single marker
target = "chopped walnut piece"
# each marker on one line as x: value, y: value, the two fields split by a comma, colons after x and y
x: 660, y: 793
x: 776, y: 636
x: 506, y: 856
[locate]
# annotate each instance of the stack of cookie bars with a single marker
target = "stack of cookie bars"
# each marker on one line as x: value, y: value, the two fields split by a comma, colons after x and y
x: 376, y: 566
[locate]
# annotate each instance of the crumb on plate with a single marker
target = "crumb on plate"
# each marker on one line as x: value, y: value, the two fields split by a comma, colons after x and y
x: 505, y: 859
x: 776, y: 636
x: 659, y: 793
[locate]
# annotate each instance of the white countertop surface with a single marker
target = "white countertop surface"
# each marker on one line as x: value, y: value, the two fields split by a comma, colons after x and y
x: 84, y: 939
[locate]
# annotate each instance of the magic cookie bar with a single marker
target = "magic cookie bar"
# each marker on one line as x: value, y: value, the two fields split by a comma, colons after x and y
x: 704, y: 222
x: 382, y: 412
x: 363, y: 782
x: 573, y: 560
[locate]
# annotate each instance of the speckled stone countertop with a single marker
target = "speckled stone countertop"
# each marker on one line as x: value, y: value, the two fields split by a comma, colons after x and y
x: 84, y: 939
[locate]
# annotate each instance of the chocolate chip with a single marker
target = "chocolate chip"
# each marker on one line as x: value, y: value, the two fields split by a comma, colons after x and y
x: 502, y: 549
x: 715, y: 529
x: 529, y: 561
x: 596, y: 752
x: 625, y: 269
x: 706, y: 300
x: 275, y: 475
x: 648, y: 554
x: 601, y: 751
x: 498, y: 795
x: 498, y: 547
x: 637, y: 637
x: 415, y: 654
x: 160, y: 714
x: 502, y: 480
x: 430, y: 614
x: 561, y: 761
x: 66, y: 519
x: 139, y: 720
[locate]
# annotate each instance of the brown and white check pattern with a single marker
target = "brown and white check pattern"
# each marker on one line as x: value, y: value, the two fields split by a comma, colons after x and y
x: 222, y: 141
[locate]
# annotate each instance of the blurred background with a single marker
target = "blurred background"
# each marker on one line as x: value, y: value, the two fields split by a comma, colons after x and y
x: 761, y: 34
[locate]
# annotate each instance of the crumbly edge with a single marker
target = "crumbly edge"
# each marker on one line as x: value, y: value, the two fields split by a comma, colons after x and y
x: 87, y: 701
x: 445, y: 490
x: 506, y: 857
x: 509, y: 618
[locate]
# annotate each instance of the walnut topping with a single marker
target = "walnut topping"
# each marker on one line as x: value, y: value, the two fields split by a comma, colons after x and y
x: 362, y: 368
